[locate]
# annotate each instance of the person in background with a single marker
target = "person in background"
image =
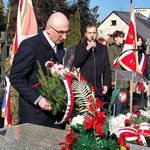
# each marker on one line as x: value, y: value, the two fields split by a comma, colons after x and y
x: 115, y: 50
x: 102, y: 41
x: 141, y: 48
x: 91, y: 58
x: 47, y: 45
x: 139, y: 98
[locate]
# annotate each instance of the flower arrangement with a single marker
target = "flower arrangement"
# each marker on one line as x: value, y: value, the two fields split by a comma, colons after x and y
x: 92, y: 127
x: 133, y: 128
x: 89, y: 129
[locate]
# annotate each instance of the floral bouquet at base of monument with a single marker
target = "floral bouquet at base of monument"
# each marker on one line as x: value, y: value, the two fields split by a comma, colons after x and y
x: 90, y: 128
x: 132, y: 127
x: 69, y: 93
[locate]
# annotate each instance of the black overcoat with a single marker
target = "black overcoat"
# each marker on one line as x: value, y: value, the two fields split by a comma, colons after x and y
x: 24, y: 73
x: 94, y: 66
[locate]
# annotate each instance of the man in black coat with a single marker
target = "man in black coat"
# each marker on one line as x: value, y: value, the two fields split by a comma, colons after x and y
x: 92, y: 59
x: 33, y: 108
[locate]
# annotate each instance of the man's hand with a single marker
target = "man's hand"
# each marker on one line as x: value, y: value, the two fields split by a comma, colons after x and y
x: 105, y: 89
x: 44, y: 104
x: 90, y: 45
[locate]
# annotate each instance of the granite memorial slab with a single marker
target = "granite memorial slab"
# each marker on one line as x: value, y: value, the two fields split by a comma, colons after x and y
x: 35, y: 137
x: 31, y: 137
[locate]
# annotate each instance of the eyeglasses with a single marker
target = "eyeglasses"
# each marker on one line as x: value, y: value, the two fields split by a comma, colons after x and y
x: 61, y: 33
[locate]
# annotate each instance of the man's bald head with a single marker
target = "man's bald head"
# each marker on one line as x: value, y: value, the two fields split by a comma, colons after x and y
x: 58, y: 18
x: 57, y: 27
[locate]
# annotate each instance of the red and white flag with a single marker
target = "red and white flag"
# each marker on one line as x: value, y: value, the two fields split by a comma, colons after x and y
x: 5, y: 109
x: 128, y: 57
x: 26, y: 27
x: 26, y: 23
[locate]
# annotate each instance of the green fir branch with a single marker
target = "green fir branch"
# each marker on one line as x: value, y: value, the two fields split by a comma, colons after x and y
x: 88, y: 141
x: 53, y: 89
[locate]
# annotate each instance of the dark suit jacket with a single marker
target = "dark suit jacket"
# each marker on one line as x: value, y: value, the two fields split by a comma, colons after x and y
x: 23, y: 76
x: 92, y: 67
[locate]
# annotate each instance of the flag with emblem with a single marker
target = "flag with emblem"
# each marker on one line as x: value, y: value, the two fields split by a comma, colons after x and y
x: 128, y: 57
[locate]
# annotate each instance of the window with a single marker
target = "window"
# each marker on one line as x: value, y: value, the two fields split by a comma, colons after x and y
x: 113, y: 23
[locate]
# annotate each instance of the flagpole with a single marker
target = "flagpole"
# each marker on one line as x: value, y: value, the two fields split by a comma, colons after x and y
x: 132, y: 17
x: 131, y: 7
x: 131, y: 96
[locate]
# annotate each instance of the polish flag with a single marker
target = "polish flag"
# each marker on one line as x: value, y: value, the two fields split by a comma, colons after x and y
x: 26, y: 27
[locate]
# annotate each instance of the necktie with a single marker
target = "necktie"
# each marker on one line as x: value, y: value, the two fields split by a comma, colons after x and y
x: 55, y: 49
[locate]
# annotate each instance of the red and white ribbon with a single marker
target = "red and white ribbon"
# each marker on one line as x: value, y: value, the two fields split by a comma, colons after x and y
x: 139, y: 134
x: 70, y: 102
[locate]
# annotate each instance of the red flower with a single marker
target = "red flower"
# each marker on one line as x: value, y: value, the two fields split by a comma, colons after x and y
x: 91, y: 106
x: 127, y: 121
x: 99, y: 129
x: 49, y: 64
x: 70, y: 139
x: 82, y: 79
x: 93, y: 89
x: 89, y: 121
x: 100, y: 119
x: 100, y: 116
x: 99, y: 104
x: 94, y: 105
x: 122, y: 142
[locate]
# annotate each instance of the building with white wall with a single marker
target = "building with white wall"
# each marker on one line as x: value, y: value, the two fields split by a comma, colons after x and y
x: 144, y: 11
x: 119, y: 20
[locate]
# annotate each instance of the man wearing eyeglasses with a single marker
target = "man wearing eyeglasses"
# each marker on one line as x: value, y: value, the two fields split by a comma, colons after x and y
x: 47, y: 45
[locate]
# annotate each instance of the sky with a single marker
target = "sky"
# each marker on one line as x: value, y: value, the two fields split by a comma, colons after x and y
x: 107, y: 6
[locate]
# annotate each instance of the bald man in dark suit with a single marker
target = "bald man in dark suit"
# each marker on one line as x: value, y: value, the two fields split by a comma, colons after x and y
x: 34, y: 108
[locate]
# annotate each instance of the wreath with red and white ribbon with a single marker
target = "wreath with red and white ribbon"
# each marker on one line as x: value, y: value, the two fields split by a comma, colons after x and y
x: 68, y: 77
x: 70, y: 100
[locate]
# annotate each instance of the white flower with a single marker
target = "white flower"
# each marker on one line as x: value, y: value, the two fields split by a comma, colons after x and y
x: 145, y: 113
x: 77, y: 120
x: 54, y: 71
x: 116, y: 122
x: 121, y: 119
x: 113, y: 125
x: 58, y: 69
